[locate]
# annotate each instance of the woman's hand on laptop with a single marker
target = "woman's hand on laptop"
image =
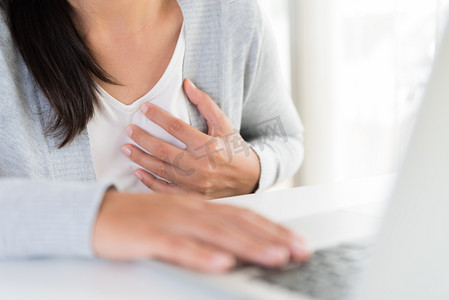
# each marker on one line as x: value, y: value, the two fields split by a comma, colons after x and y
x: 194, y: 234
x: 217, y: 164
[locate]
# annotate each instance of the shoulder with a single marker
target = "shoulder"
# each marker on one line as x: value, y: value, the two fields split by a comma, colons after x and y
x: 3, y: 19
x: 244, y: 30
x: 232, y: 16
x: 244, y: 10
x: 14, y: 74
x: 6, y: 44
x: 243, y: 16
x: 243, y: 25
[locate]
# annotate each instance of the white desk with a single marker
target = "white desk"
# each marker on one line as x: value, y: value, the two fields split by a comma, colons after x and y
x: 80, y: 279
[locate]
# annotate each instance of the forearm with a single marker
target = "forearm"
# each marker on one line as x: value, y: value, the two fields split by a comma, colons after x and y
x: 41, y: 218
x: 270, y: 121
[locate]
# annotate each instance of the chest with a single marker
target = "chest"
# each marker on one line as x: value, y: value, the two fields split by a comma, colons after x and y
x: 136, y: 63
x: 24, y: 116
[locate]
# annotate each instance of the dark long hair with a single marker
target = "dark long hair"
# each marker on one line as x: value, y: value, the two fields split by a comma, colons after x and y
x: 56, y: 54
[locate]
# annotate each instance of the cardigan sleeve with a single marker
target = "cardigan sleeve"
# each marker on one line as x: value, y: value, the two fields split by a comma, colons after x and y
x: 38, y: 218
x: 270, y: 122
x: 47, y: 219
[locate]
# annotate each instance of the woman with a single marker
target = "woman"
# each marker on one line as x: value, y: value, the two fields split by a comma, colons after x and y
x: 75, y: 75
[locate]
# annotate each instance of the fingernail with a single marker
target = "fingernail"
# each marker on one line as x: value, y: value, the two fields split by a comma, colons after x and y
x: 129, y: 131
x: 144, y: 108
x: 193, y: 85
x: 126, y: 151
x: 222, y: 261
x: 299, y: 247
x: 278, y: 253
x: 138, y: 175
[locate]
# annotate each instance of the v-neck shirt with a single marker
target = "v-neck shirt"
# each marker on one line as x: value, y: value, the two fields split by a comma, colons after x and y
x: 107, y: 129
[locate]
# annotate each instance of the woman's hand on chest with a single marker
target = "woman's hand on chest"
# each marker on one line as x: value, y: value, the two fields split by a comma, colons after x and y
x: 217, y: 164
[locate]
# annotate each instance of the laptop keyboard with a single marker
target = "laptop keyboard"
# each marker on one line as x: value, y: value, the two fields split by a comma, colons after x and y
x: 328, y: 275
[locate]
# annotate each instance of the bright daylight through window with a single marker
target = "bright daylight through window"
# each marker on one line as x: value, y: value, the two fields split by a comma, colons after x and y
x: 370, y: 60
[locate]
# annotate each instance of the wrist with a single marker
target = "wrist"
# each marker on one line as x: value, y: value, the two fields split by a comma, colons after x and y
x: 254, y: 173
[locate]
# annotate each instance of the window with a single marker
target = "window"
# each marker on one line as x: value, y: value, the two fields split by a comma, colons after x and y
x: 358, y: 70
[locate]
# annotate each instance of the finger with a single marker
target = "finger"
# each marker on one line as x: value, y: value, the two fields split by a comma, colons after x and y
x: 158, y: 185
x: 266, y: 229
x: 218, y: 232
x: 188, y: 253
x: 217, y: 121
x: 159, y: 148
x: 189, y: 135
x: 151, y: 163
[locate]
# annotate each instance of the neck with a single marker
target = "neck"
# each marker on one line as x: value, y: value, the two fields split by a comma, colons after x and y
x: 119, y: 15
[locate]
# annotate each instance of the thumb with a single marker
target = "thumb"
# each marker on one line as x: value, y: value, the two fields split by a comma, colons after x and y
x: 216, y: 120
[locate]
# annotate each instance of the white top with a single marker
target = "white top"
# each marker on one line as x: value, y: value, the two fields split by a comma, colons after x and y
x: 107, y: 129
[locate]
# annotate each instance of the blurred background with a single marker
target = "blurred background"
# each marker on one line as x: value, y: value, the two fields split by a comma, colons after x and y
x: 357, y: 70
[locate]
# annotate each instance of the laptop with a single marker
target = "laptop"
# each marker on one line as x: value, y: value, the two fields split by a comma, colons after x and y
x: 407, y: 259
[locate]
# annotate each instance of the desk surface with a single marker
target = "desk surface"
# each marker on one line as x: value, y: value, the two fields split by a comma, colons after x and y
x: 81, y: 279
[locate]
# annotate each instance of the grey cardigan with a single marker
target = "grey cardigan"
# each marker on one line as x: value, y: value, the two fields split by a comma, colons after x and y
x: 49, y: 197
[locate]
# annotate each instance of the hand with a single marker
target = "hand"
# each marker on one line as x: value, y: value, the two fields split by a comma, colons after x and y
x: 194, y: 234
x: 217, y: 164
